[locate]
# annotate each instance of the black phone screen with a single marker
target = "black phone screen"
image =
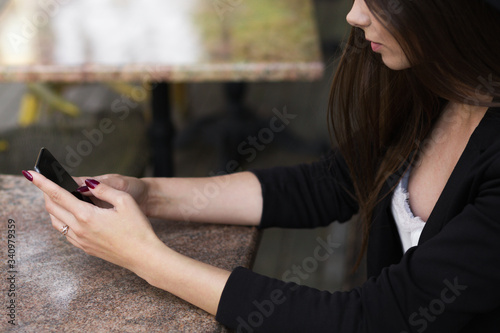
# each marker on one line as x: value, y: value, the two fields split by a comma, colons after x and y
x: 47, y: 165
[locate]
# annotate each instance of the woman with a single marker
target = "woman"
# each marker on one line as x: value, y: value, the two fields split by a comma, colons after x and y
x: 413, y: 109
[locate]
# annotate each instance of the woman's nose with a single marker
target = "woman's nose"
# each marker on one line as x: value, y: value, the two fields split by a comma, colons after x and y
x: 359, y: 15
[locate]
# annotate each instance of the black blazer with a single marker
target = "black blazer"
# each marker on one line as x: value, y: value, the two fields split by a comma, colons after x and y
x: 450, y: 282
x: 474, y: 181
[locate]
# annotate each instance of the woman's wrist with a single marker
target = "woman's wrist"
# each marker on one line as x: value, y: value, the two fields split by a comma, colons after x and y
x: 153, y: 199
x: 147, y: 264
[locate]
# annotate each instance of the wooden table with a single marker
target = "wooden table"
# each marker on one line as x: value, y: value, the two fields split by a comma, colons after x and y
x: 159, y: 42
x: 55, y: 287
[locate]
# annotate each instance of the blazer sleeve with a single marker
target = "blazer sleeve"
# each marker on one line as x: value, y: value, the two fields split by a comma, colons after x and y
x: 443, y: 285
x: 307, y: 195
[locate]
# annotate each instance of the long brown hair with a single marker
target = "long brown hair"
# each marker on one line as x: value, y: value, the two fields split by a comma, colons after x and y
x: 380, y: 116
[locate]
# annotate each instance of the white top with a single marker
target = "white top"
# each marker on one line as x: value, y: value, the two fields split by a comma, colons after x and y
x: 409, y: 226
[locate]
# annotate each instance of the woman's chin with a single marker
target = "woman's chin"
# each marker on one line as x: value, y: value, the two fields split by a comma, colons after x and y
x: 396, y: 64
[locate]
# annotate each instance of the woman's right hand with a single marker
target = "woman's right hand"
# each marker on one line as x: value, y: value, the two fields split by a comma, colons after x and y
x: 136, y: 187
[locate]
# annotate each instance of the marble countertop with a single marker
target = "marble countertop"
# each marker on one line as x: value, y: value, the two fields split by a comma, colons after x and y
x: 56, y: 287
x: 159, y: 40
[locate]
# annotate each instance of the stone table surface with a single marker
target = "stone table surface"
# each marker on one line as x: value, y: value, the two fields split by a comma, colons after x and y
x: 159, y: 40
x: 56, y: 287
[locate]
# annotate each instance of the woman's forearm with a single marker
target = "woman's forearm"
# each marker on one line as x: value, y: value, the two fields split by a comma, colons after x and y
x: 228, y: 199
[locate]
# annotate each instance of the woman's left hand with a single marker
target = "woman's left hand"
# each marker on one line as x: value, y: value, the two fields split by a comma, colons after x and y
x: 120, y: 234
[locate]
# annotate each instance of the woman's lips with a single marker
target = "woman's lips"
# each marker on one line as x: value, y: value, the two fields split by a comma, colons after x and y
x: 376, y: 46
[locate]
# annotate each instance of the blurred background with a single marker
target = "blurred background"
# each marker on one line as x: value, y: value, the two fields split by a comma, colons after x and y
x: 114, y: 119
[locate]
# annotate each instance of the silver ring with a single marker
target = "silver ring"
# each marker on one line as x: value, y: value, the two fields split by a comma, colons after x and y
x: 64, y: 230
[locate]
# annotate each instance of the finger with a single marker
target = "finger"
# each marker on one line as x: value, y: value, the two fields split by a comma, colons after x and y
x: 58, y: 212
x: 70, y: 234
x: 84, y: 190
x: 109, y: 194
x: 57, y: 194
x: 63, y: 228
x: 80, y: 180
x: 113, y: 180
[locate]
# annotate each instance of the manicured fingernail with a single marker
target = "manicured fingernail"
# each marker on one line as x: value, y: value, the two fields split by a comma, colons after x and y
x: 28, y: 175
x: 92, y: 183
x: 82, y: 189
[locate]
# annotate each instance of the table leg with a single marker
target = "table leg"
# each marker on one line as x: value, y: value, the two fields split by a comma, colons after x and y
x: 162, y: 131
x: 234, y: 93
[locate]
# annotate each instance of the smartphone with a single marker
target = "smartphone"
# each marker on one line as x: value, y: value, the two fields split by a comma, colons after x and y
x: 47, y: 165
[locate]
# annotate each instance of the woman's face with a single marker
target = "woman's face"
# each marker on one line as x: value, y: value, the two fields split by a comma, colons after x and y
x: 381, y: 39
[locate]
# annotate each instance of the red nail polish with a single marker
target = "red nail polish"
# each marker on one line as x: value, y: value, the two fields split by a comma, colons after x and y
x: 28, y: 175
x: 82, y: 189
x: 92, y: 183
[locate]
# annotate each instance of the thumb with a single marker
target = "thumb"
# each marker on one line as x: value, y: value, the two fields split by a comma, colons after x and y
x: 109, y: 194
